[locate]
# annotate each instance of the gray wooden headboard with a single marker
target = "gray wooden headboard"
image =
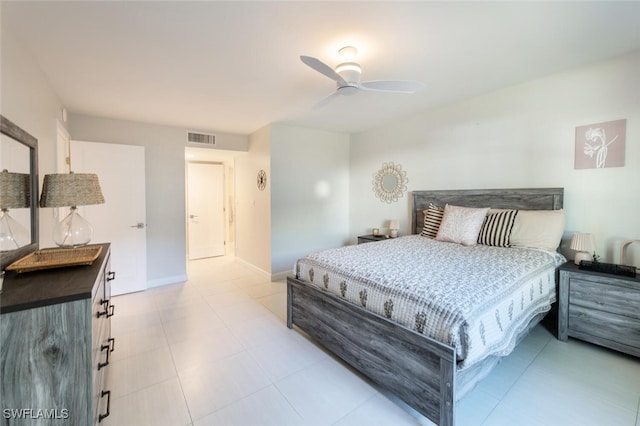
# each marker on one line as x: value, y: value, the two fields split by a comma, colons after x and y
x: 521, y: 198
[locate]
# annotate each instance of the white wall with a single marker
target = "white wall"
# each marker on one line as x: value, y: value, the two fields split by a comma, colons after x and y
x: 26, y: 98
x: 165, y: 185
x: 522, y: 136
x: 253, y: 207
x: 309, y: 193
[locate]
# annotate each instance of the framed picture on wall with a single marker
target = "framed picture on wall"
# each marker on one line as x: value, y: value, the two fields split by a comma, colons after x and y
x: 600, y: 145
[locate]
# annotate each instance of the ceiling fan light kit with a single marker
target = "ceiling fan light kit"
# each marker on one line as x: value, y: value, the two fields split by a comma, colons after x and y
x: 348, y: 53
x: 350, y: 72
x: 347, y: 76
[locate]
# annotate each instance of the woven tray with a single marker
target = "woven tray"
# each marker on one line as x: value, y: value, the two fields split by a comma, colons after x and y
x: 56, y: 258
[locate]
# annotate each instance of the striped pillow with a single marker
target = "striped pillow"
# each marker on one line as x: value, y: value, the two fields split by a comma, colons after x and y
x: 496, y: 229
x: 432, y: 219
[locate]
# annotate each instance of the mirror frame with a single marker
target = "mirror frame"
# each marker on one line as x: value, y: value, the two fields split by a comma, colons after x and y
x: 18, y: 134
x: 394, y: 194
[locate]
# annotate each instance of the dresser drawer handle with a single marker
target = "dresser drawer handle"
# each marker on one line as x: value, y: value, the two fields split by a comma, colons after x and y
x: 111, y: 276
x: 112, y: 309
x: 104, y: 302
x: 112, y: 343
x: 102, y: 349
x: 101, y: 417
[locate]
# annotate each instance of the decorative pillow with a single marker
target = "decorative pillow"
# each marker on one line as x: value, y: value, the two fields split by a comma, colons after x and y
x: 538, y: 229
x: 496, y: 229
x: 461, y: 224
x: 432, y: 220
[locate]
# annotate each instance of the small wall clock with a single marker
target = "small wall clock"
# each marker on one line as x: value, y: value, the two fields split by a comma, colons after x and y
x: 262, y: 180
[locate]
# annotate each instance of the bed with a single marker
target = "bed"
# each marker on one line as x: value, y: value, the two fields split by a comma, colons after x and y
x: 415, y: 356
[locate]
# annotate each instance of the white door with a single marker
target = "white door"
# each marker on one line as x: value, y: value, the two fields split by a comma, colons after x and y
x: 121, y: 220
x: 205, y: 209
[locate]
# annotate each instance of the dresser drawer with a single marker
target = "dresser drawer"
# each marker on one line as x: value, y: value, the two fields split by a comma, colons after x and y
x: 616, y: 299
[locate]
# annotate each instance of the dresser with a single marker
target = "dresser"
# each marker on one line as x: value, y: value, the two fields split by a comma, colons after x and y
x: 55, y: 344
x: 599, y: 308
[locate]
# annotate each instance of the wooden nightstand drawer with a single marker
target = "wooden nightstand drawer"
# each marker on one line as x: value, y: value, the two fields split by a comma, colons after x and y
x: 609, y: 298
x: 584, y: 321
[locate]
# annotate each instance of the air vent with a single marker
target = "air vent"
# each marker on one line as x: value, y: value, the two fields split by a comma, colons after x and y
x: 201, y: 138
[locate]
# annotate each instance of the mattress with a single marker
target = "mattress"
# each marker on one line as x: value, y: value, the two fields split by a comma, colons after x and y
x: 476, y: 299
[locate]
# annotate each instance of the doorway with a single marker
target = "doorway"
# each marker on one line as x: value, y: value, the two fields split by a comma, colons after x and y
x: 210, y: 202
x: 205, y: 210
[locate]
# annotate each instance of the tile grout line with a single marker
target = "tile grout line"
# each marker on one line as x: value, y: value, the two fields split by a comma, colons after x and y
x: 524, y: 370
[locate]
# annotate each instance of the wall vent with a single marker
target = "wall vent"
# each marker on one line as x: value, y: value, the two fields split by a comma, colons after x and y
x: 201, y: 138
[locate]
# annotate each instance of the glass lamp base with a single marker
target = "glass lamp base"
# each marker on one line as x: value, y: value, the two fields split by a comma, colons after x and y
x: 72, y: 231
x: 12, y: 234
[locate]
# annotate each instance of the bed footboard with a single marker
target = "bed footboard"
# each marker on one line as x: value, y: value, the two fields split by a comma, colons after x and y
x: 417, y: 369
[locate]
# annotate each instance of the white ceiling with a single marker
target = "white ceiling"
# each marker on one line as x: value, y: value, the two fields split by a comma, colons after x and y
x: 234, y: 66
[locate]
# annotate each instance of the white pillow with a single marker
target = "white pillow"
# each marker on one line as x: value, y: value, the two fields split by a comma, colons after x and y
x: 538, y: 229
x: 461, y: 224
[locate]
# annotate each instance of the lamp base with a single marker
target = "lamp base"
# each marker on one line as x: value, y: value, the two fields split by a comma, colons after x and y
x: 582, y: 255
x: 12, y: 234
x: 72, y: 231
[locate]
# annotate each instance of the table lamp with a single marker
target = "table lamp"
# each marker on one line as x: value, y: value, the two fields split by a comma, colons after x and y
x: 584, y: 246
x: 394, y: 225
x: 71, y: 190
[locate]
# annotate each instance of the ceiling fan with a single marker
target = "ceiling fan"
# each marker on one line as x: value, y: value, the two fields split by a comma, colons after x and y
x: 347, y: 77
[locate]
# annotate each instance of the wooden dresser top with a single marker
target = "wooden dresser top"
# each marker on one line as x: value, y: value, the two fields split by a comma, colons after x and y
x: 49, y: 287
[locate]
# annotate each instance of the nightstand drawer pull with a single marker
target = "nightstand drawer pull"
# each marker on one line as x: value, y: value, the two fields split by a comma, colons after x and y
x: 111, y: 276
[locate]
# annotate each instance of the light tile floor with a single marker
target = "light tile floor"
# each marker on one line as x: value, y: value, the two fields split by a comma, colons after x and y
x: 216, y: 351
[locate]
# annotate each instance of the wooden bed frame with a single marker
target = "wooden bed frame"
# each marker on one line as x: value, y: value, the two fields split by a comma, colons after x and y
x: 419, y: 370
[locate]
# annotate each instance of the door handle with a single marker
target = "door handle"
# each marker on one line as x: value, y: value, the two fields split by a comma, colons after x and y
x: 192, y: 216
x: 138, y: 225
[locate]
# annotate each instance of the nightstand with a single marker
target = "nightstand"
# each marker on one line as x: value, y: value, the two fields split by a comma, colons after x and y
x: 370, y: 238
x: 599, y: 308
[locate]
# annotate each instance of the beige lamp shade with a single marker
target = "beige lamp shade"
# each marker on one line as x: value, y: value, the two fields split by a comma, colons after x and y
x: 14, y: 190
x: 71, y: 189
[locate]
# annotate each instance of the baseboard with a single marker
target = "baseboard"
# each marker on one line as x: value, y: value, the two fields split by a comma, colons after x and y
x: 159, y: 282
x: 266, y: 274
x: 280, y: 276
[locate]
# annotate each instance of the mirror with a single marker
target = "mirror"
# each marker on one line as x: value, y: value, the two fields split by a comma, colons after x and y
x: 19, y: 155
x: 390, y: 182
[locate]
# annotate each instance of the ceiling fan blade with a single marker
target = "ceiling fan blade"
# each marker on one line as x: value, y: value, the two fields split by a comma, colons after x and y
x: 392, y: 86
x: 326, y: 100
x: 322, y: 68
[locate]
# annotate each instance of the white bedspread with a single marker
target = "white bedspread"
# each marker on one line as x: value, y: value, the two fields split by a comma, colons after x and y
x: 475, y: 299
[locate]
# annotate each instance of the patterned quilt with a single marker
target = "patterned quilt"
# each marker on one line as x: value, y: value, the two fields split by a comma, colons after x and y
x: 475, y: 299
